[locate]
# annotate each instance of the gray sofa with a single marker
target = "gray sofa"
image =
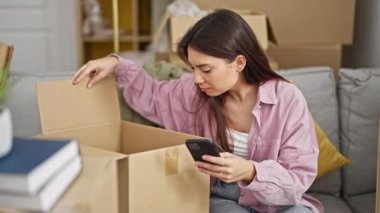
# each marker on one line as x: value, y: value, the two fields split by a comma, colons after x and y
x: 349, y: 115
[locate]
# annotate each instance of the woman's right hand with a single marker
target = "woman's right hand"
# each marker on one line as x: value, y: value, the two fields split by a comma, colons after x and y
x: 96, y: 70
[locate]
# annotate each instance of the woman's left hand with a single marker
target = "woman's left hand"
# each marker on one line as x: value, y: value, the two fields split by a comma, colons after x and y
x: 228, y: 167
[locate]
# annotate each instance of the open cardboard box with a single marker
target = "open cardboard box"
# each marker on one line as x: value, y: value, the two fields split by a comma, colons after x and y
x: 299, y: 21
x: 179, y: 25
x: 156, y: 171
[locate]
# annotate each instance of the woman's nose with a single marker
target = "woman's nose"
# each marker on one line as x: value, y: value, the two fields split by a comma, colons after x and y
x: 197, y: 78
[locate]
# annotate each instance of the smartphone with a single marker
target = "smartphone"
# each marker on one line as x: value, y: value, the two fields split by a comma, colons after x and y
x: 200, y: 147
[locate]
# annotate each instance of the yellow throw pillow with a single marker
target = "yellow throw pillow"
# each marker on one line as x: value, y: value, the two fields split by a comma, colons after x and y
x: 329, y: 157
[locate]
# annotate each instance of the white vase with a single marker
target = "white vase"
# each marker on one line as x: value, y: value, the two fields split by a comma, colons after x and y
x: 6, y: 131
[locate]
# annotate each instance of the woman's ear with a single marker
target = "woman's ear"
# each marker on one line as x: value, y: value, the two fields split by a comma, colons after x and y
x: 240, y: 62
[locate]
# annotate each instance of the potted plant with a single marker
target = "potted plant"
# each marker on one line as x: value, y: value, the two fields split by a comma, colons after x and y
x: 6, y: 132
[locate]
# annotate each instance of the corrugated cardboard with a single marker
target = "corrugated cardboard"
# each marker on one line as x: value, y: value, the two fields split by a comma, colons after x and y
x: 157, y: 173
x: 97, y: 180
x: 179, y: 25
x: 299, y: 55
x: 300, y: 21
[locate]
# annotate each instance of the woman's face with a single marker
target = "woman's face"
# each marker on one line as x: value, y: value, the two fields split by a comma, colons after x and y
x: 214, y: 76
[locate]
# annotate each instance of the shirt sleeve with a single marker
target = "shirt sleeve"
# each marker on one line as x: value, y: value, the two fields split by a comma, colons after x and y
x: 163, y: 102
x: 283, y: 182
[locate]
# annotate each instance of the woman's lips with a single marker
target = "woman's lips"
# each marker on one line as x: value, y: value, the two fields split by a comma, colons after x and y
x: 204, y: 89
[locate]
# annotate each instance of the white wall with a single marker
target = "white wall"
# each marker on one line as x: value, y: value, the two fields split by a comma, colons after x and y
x: 43, y: 32
x: 365, y: 51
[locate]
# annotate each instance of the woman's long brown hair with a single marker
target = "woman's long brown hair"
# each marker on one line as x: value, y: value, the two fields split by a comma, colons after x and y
x: 225, y: 34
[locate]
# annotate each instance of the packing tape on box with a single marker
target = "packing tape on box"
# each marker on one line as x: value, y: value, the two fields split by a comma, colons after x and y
x: 171, y: 161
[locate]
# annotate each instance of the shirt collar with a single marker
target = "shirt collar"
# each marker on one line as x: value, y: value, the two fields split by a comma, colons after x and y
x: 267, y: 92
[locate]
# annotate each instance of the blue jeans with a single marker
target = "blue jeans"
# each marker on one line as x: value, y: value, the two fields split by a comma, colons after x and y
x: 224, y: 199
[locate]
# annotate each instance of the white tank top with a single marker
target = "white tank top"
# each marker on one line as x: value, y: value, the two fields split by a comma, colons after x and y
x: 240, y: 143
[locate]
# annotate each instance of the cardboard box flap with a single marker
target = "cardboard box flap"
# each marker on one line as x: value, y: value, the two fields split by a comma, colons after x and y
x: 300, y: 21
x: 64, y: 106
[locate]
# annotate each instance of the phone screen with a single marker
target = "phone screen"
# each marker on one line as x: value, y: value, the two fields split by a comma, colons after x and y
x: 200, y: 147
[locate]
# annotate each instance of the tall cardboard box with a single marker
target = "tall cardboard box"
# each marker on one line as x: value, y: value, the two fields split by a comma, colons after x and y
x: 305, y: 33
x: 300, y: 21
x: 156, y: 172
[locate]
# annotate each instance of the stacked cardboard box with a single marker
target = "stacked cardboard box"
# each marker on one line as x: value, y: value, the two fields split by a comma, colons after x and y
x: 178, y: 26
x: 304, y: 33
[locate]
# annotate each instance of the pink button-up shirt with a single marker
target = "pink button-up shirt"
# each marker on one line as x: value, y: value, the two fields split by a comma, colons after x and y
x: 282, y: 143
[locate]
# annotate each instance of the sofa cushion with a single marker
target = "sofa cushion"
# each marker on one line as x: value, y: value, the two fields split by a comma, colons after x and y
x: 363, y: 203
x: 318, y: 86
x: 22, y: 100
x: 359, y: 97
x: 332, y: 203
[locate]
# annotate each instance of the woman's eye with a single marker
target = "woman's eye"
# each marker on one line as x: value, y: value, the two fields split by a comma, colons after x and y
x: 206, y: 70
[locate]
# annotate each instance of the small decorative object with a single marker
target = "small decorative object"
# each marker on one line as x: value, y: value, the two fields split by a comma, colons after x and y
x: 94, y: 23
x: 6, y: 133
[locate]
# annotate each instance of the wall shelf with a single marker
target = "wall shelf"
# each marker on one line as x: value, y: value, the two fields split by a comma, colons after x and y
x: 133, y: 18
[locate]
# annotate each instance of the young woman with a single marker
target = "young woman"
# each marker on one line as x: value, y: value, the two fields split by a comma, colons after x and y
x: 233, y: 97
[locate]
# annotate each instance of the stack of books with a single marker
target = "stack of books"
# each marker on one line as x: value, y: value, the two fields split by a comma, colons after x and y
x: 37, y: 172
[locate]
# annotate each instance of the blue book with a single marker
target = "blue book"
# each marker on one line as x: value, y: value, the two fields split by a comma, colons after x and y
x: 32, y: 162
x: 49, y: 194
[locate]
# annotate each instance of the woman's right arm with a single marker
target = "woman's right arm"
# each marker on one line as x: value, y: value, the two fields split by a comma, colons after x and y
x: 163, y: 102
